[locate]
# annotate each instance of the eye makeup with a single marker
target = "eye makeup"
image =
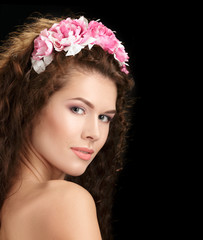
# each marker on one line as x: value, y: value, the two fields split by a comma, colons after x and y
x: 105, y: 118
x: 80, y: 110
x: 77, y: 110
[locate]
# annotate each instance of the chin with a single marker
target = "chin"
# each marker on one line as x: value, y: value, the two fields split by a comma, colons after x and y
x: 76, y: 170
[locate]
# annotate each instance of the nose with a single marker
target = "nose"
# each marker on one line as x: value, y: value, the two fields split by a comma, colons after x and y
x: 91, y: 129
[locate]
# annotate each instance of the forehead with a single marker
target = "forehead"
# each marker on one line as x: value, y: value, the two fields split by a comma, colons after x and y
x: 94, y: 87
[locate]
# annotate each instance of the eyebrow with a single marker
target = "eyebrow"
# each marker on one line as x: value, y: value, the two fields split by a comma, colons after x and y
x: 91, y: 105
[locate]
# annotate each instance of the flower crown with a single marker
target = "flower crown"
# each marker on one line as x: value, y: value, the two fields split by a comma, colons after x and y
x: 71, y: 36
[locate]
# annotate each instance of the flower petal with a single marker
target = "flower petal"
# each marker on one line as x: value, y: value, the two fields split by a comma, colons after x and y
x: 74, y: 49
x: 48, y: 59
x: 38, y: 65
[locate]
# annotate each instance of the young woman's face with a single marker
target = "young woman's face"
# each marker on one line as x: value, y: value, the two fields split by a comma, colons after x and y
x: 74, y: 125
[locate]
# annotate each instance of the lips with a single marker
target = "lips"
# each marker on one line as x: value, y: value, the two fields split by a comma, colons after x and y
x: 83, y: 153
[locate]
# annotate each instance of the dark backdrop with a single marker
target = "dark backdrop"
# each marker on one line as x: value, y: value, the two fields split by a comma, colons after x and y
x: 134, y: 24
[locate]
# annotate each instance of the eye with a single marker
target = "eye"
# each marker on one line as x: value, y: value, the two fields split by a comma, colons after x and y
x: 105, y: 118
x: 78, y: 110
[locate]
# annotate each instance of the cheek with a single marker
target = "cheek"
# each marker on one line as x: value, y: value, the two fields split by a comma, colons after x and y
x: 51, y: 134
x: 55, y: 130
x: 45, y: 139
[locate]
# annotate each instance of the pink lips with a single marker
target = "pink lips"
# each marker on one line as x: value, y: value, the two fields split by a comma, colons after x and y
x: 83, y: 153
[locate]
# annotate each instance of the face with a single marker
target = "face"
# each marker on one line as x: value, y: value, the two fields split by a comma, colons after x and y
x: 74, y: 125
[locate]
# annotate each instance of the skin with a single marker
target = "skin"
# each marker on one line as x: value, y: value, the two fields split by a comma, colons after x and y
x: 43, y: 205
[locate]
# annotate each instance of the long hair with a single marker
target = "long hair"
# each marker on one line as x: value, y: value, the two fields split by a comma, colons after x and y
x: 23, y: 93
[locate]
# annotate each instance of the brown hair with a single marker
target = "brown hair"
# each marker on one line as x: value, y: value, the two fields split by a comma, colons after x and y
x: 23, y: 93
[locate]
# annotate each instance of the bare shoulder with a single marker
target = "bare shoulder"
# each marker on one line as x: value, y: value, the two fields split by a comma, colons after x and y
x: 66, y: 211
x: 66, y: 195
x: 58, y: 187
x: 60, y: 194
x: 53, y: 210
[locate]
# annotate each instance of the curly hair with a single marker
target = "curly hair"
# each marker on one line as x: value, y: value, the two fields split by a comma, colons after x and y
x: 23, y: 93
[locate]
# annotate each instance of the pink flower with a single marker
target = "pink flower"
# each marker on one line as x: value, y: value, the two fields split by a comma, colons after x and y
x: 67, y: 32
x: 124, y: 69
x: 108, y: 41
x: 42, y: 46
x: 121, y: 55
x: 103, y: 35
x: 71, y: 36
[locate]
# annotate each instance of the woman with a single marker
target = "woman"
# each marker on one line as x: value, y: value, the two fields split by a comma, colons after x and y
x: 63, y: 102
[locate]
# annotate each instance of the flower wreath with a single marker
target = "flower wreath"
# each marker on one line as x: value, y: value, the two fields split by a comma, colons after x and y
x: 71, y: 36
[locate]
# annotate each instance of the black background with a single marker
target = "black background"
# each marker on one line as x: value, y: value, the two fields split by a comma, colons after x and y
x: 135, y: 215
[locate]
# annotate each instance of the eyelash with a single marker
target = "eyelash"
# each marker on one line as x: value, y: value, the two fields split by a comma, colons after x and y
x: 108, y: 118
x: 75, y: 110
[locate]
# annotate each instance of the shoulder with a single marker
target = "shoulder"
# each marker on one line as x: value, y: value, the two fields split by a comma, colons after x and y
x: 60, y: 194
x: 67, y: 211
x: 59, y: 188
x: 66, y: 194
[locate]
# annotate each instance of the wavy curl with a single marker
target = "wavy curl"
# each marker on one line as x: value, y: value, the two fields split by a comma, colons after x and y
x: 23, y: 93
